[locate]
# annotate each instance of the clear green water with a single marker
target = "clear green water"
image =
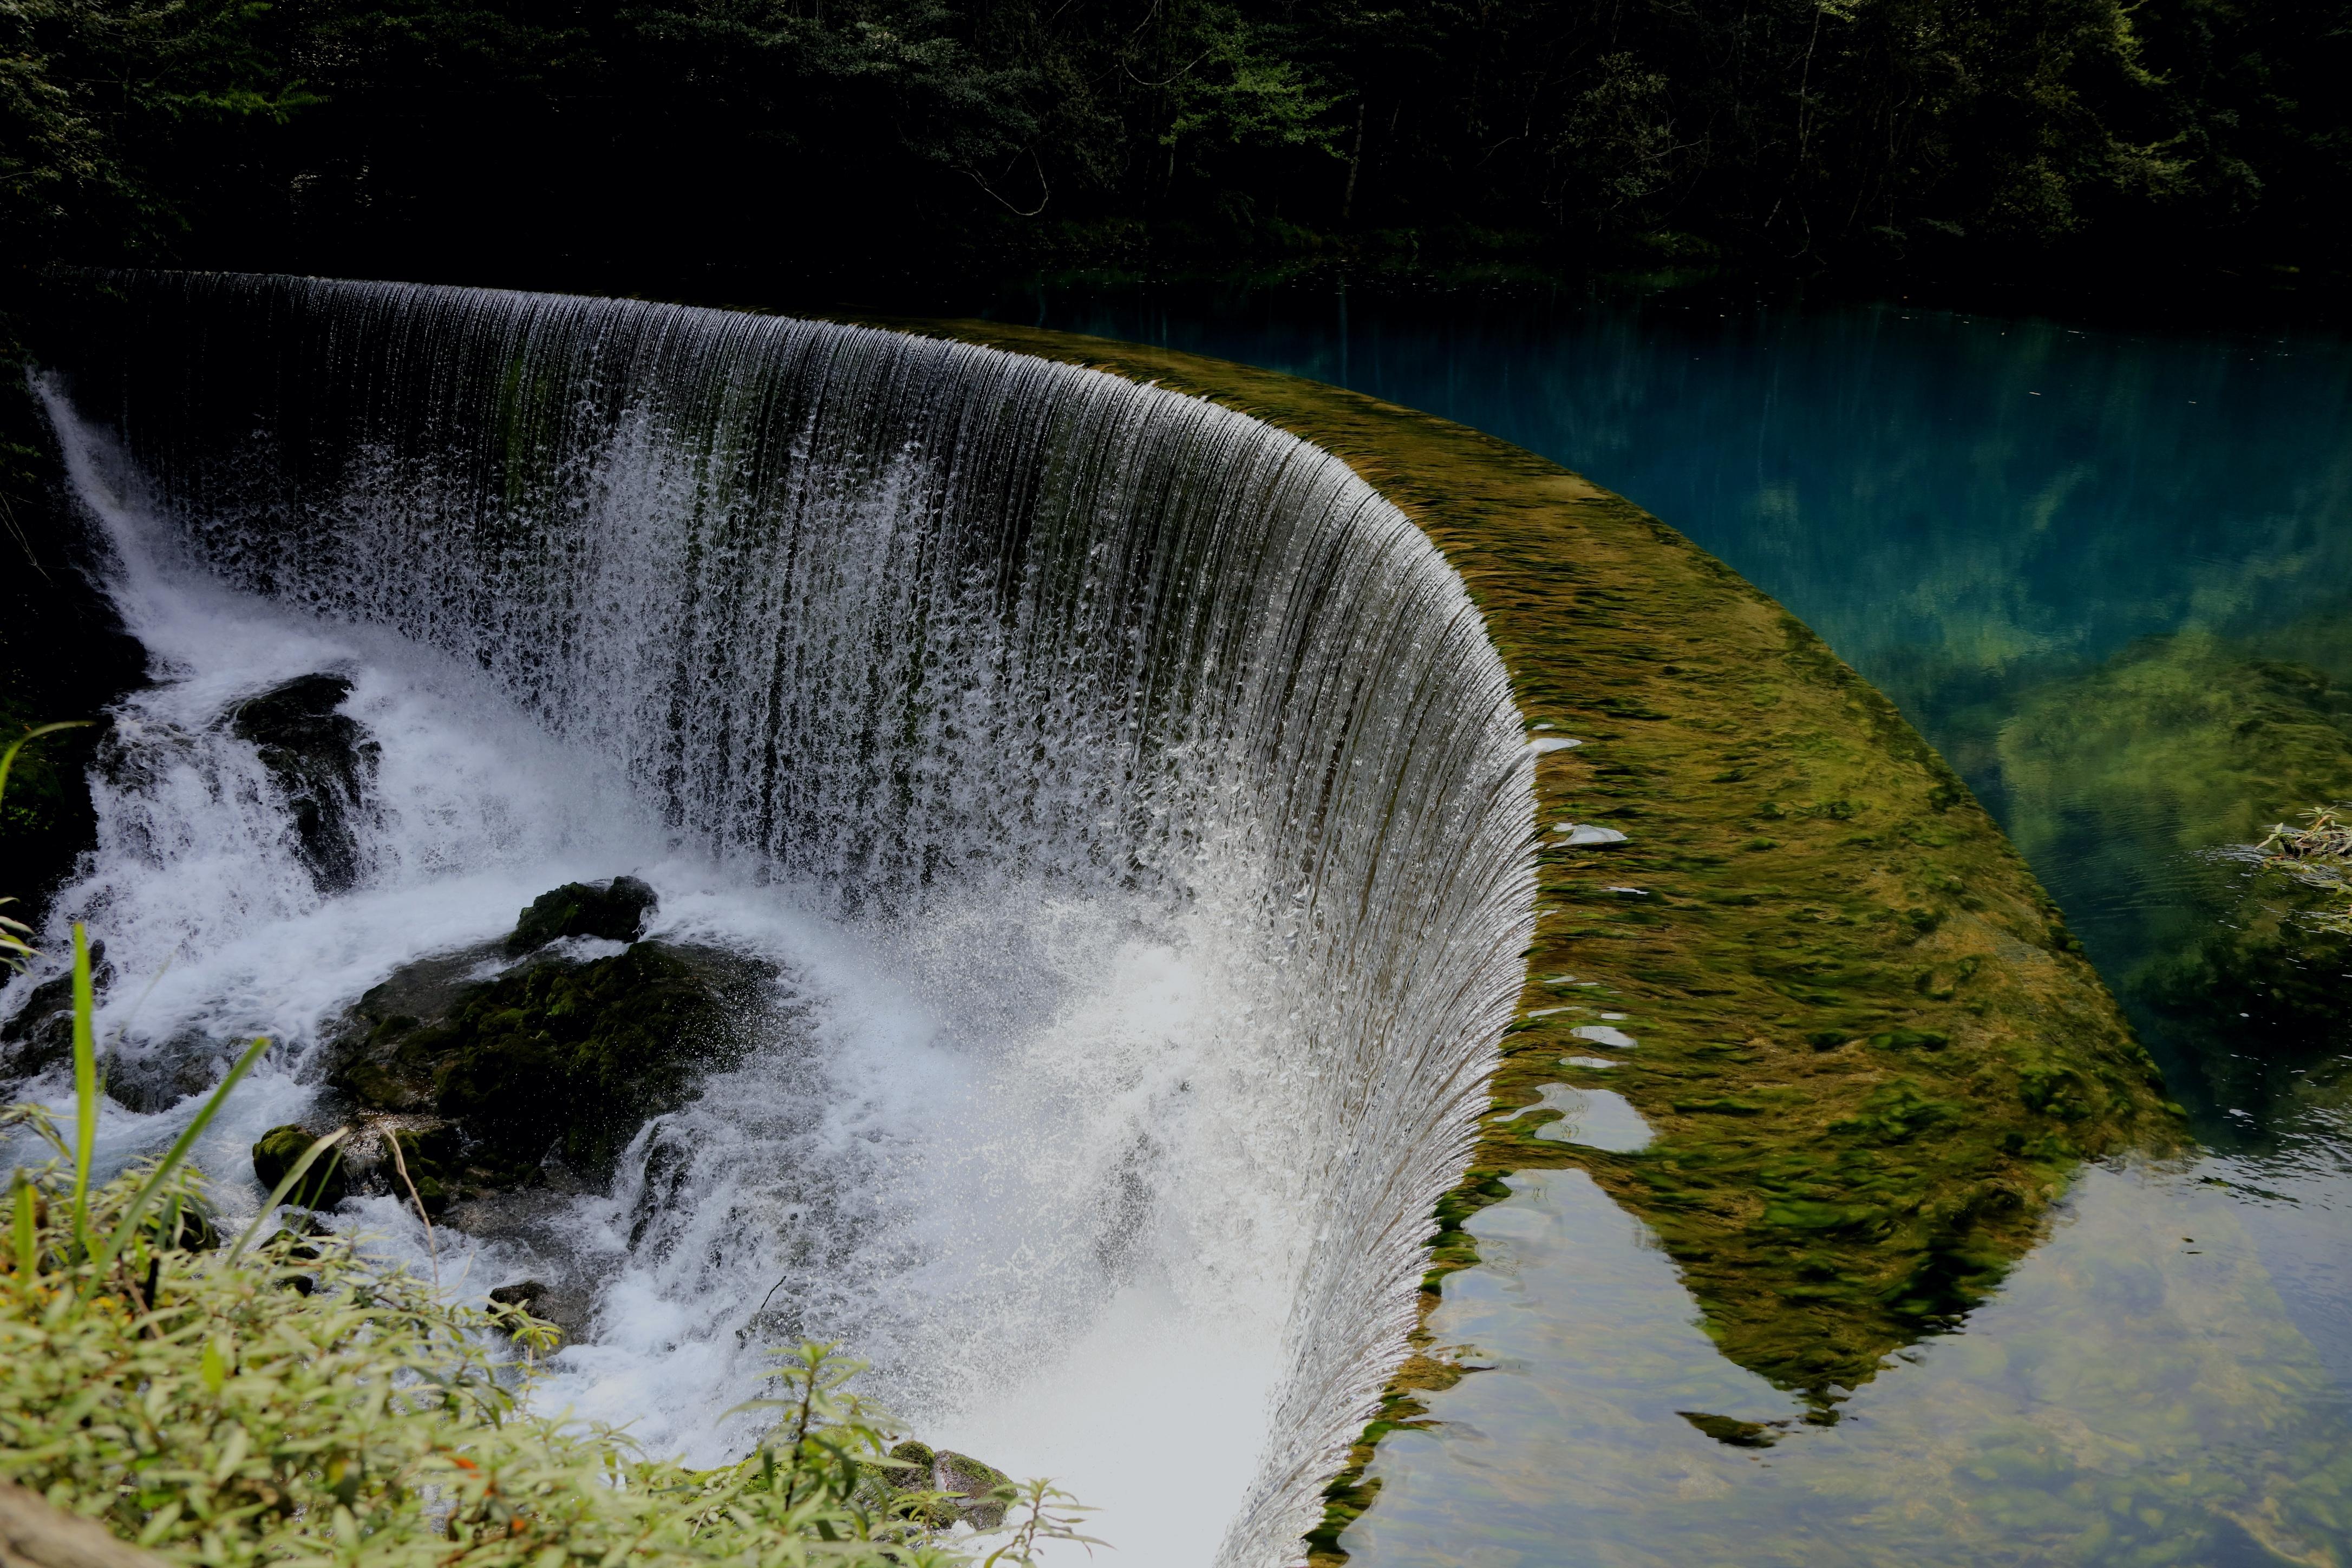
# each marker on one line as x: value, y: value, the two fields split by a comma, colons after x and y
x: 2109, y: 574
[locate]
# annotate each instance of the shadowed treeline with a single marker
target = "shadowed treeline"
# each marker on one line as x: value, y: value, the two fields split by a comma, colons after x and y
x: 877, y: 145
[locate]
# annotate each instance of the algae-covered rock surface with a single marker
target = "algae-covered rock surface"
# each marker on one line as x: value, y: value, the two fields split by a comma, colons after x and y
x: 1870, y: 1049
x: 275, y: 1153
x: 940, y: 1487
x: 612, y: 911
x: 483, y: 1073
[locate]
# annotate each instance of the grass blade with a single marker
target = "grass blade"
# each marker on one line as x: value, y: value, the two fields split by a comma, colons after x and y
x: 85, y: 1060
x: 176, y: 1156
x: 28, y: 1246
x: 8, y: 757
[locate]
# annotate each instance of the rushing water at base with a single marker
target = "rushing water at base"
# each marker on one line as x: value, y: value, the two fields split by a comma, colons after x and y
x: 1128, y: 799
x: 2109, y: 575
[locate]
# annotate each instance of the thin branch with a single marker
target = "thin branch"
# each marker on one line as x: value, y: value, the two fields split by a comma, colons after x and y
x: 1044, y: 185
x: 431, y: 1250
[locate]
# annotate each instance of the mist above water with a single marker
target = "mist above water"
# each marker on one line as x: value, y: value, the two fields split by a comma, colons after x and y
x: 1129, y: 799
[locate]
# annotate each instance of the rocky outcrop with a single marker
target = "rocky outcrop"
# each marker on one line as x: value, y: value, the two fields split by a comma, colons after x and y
x: 611, y: 911
x: 487, y: 1078
x: 323, y: 760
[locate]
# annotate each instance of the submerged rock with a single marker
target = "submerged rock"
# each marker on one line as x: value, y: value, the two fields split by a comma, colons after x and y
x: 322, y: 760
x: 491, y: 1076
x: 1733, y: 1433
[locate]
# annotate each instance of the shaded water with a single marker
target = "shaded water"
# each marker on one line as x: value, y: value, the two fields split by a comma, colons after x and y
x: 1129, y: 799
x: 2109, y: 575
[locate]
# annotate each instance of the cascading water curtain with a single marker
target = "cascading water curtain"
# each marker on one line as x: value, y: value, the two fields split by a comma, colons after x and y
x: 894, y: 618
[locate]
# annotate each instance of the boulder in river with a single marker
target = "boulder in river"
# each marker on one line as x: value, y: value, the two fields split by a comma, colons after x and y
x: 615, y: 911
x: 557, y: 1057
x: 522, y: 1296
x: 938, y: 1487
x: 323, y: 1185
x: 323, y: 760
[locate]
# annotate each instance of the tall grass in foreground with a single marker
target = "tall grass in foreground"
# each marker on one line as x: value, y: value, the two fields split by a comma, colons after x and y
x: 285, y: 1400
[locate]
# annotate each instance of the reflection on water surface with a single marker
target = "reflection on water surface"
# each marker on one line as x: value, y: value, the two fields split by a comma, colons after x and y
x: 2135, y: 1395
x: 2110, y: 576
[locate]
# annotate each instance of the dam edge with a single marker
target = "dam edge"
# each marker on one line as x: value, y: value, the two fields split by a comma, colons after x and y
x: 1872, y: 1052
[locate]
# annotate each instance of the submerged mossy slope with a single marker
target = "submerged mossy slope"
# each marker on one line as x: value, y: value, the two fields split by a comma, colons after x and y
x: 1869, y: 1046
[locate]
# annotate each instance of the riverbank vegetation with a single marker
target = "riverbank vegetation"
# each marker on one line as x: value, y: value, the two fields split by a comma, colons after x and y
x: 759, y: 147
x: 285, y: 1398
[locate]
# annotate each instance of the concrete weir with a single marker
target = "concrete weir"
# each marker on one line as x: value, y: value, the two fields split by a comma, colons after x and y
x: 1205, y: 827
x: 1870, y: 1050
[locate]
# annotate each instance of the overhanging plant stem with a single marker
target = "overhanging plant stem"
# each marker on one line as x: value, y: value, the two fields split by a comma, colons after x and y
x: 85, y: 1059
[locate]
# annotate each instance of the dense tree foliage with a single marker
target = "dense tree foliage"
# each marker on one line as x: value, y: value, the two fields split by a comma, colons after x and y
x: 655, y: 142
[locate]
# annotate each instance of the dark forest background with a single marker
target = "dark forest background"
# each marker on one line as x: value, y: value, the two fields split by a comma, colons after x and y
x: 883, y: 148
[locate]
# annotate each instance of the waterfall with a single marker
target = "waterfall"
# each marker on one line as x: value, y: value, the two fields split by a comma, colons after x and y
x: 1141, y: 742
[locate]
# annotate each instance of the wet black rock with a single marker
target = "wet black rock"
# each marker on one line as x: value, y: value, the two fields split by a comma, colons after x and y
x: 323, y: 762
x: 523, y: 1295
x: 557, y: 1060
x: 162, y: 1076
x: 40, y: 1036
x: 615, y: 911
x: 323, y: 1185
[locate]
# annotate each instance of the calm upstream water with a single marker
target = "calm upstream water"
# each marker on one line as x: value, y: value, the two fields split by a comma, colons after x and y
x: 2109, y: 574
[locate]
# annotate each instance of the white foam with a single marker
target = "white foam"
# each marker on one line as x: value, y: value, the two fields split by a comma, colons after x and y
x: 1039, y: 1126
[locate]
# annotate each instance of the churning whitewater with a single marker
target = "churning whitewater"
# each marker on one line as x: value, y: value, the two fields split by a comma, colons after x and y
x: 1127, y: 798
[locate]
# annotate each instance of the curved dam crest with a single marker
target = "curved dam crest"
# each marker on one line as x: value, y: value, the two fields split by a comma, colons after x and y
x: 1870, y: 1054
x: 948, y: 649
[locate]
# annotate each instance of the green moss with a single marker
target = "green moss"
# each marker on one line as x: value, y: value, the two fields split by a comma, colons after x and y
x: 2210, y: 742
x: 323, y: 1186
x: 568, y: 1058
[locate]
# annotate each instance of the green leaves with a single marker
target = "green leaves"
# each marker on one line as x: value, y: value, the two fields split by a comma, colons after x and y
x: 101, y: 107
x: 294, y: 1402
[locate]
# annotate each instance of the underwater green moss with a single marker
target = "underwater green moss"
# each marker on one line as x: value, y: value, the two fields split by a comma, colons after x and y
x: 1870, y: 1050
x: 2239, y: 975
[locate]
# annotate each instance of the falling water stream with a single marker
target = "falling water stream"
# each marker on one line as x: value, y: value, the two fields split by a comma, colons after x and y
x: 1128, y: 798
